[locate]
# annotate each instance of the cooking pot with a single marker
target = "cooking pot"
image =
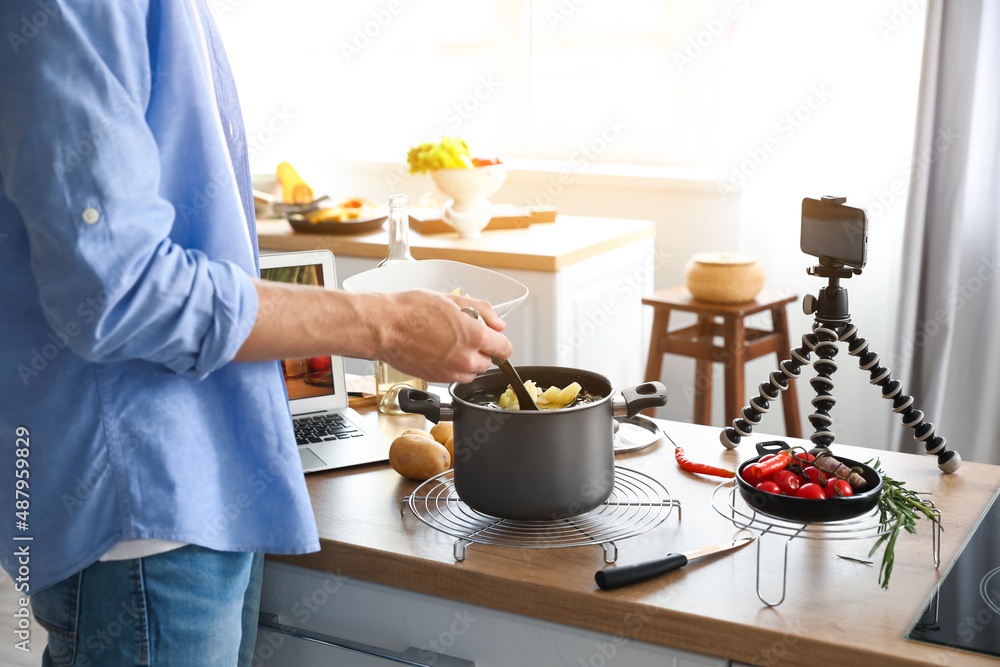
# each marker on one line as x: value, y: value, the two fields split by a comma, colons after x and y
x: 534, y: 465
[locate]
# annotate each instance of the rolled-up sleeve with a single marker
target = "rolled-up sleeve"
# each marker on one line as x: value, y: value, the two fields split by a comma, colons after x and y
x: 82, y: 166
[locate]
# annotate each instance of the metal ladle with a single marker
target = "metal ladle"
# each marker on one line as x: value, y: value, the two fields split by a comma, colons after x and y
x: 524, y: 401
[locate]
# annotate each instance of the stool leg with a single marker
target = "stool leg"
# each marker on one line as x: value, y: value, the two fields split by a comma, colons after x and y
x: 654, y: 362
x: 789, y: 397
x: 703, y: 375
x: 734, y: 334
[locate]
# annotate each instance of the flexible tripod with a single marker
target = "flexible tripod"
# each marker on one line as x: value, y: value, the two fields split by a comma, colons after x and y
x: 832, y: 325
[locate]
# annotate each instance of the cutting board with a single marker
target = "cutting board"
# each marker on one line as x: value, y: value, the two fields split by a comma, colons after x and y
x: 505, y: 216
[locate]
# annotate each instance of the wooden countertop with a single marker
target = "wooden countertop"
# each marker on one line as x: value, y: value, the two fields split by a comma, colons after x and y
x: 540, y: 247
x: 834, y: 614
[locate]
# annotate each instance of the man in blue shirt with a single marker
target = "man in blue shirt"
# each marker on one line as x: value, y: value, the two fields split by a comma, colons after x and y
x: 139, y: 401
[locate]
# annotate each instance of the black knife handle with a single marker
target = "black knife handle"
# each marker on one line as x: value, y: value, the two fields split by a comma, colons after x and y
x: 631, y: 574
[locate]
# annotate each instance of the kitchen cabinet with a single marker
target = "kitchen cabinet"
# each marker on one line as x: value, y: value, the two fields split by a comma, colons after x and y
x: 586, y: 278
x: 388, y: 580
x: 388, y: 622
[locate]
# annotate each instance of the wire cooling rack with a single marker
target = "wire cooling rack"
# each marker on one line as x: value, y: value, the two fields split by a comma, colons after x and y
x: 730, y: 504
x: 638, y: 503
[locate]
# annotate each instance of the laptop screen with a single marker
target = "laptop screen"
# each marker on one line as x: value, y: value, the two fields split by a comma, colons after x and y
x: 311, y: 377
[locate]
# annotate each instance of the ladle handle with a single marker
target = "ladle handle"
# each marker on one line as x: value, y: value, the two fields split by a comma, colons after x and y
x: 524, y: 399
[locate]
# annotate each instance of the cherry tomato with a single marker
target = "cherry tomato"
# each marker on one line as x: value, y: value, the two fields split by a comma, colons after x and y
x: 770, y: 487
x: 805, y: 456
x: 815, y: 475
x: 839, y: 487
x: 787, y: 481
x: 810, y: 490
x: 318, y: 364
x: 747, y: 476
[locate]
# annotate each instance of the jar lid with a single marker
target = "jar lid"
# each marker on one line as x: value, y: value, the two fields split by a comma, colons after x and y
x: 730, y: 258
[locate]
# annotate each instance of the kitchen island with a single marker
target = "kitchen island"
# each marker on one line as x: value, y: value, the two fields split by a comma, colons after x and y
x: 834, y: 612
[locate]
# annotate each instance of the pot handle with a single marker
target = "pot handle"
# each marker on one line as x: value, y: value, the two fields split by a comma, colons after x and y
x: 640, y: 397
x: 771, y: 447
x: 423, y: 403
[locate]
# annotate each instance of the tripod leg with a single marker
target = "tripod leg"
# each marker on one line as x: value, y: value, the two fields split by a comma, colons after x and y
x: 822, y: 384
x: 770, y: 390
x: 948, y: 461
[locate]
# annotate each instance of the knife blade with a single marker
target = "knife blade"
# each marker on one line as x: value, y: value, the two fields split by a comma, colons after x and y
x: 631, y: 574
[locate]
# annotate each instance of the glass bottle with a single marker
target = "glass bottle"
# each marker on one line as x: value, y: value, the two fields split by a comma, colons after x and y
x: 388, y: 380
x: 399, y: 231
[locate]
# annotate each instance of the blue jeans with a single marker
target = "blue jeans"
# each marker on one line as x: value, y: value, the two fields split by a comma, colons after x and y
x: 189, y: 607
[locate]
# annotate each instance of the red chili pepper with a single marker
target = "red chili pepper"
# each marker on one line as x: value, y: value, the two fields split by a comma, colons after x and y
x: 779, y: 462
x: 687, y: 464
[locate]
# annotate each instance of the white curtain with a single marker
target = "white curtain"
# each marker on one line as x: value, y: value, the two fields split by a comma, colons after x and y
x: 948, y: 341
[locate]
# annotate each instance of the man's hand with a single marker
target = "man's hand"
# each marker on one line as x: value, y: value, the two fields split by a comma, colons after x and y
x: 422, y: 333
x: 427, y: 335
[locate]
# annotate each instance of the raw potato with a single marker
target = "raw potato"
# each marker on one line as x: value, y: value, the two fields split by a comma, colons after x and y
x: 552, y: 398
x: 418, y: 457
x: 443, y: 431
x: 450, y: 446
x: 417, y: 431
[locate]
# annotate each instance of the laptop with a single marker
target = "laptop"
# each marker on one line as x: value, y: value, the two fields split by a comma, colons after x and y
x: 329, y: 434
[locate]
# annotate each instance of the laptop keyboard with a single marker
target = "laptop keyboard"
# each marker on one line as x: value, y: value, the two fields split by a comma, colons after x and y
x: 324, y: 428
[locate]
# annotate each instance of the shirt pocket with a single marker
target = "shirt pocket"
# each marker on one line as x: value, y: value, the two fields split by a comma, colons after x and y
x: 57, y: 609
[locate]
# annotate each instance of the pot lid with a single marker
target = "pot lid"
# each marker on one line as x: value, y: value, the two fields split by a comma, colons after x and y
x: 634, y: 433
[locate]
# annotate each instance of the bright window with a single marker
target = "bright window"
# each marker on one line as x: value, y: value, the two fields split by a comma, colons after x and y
x: 671, y: 82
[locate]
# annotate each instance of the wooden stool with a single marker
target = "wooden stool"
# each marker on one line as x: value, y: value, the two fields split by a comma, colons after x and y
x: 740, y: 345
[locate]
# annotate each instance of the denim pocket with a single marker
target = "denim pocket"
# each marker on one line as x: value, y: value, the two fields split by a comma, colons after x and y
x: 57, y: 609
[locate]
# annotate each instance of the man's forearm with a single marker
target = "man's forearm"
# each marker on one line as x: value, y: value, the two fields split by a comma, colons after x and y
x: 419, y: 332
x: 295, y: 321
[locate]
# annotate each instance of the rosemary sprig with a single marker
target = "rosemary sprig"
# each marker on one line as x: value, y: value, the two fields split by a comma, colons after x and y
x: 899, y: 508
x: 855, y: 560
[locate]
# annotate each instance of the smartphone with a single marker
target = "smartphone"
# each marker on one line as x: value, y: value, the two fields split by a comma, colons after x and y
x: 835, y: 231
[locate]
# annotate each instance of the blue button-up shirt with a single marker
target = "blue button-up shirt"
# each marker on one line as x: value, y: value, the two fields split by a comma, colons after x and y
x: 127, y: 246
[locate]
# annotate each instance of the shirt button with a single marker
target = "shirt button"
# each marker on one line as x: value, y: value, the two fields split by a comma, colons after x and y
x: 91, y: 215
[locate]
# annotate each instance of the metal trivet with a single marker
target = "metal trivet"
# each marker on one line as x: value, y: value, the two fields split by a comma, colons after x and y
x: 638, y: 503
x: 727, y: 502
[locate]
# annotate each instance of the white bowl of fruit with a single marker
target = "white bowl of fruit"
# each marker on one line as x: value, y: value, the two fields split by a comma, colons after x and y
x: 468, y: 181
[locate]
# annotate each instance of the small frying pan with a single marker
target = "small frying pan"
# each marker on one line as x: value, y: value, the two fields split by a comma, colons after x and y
x: 807, y: 510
